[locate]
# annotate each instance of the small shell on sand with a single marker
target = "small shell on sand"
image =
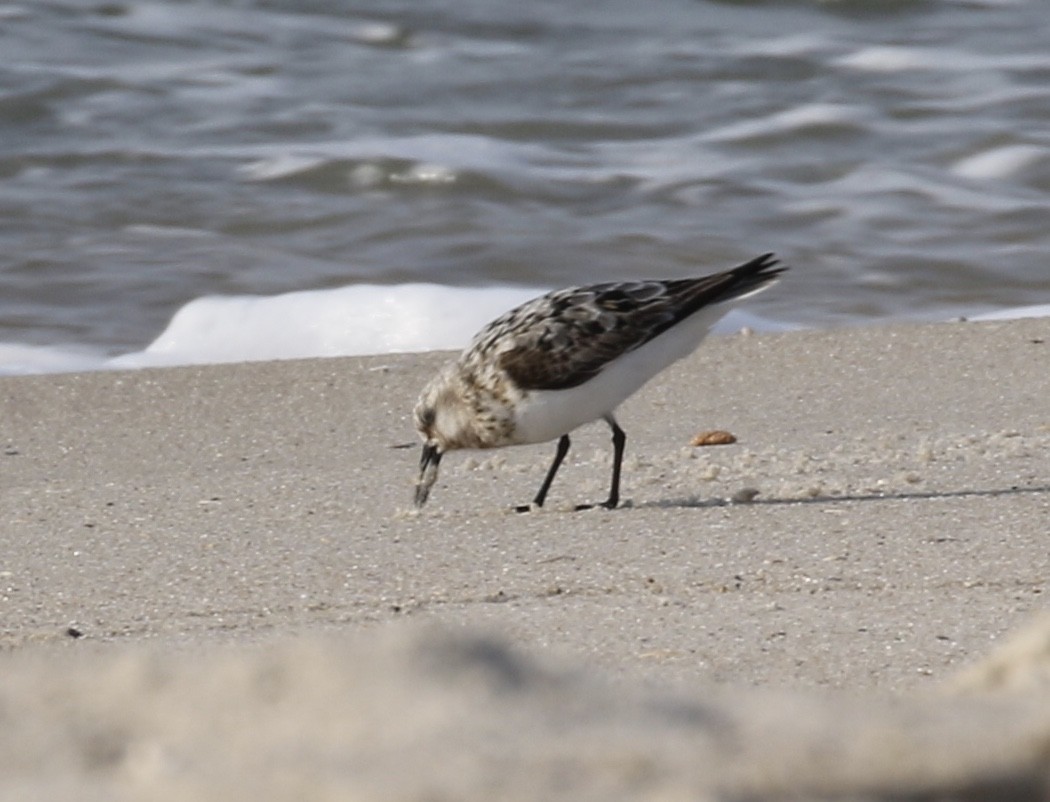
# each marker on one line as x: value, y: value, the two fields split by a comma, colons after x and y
x: 716, y: 437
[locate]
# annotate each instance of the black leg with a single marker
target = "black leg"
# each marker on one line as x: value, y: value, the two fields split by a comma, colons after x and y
x: 559, y: 455
x: 619, y: 441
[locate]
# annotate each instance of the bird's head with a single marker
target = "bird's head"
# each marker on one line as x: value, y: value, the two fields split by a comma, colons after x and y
x: 444, y: 422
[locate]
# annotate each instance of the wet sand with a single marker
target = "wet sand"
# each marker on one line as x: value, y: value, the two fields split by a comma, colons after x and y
x: 212, y: 579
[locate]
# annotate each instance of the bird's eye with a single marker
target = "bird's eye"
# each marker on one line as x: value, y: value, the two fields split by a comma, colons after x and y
x: 426, y: 417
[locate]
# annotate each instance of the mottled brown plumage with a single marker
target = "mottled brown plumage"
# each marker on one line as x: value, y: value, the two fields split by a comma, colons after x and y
x: 562, y: 339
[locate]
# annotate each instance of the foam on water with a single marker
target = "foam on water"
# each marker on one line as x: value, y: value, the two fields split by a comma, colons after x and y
x: 17, y: 359
x: 899, y: 58
x: 1015, y: 313
x: 999, y: 162
x: 349, y: 321
x: 790, y: 121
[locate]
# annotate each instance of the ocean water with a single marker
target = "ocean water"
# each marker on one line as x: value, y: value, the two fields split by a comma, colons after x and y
x: 221, y: 180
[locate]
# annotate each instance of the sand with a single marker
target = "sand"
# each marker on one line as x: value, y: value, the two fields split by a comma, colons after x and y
x: 213, y: 586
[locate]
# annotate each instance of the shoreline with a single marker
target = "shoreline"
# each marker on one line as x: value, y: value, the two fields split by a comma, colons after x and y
x: 224, y: 330
x: 903, y: 478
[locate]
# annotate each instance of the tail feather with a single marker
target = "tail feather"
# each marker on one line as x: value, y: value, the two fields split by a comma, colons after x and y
x: 741, y: 281
x: 730, y: 285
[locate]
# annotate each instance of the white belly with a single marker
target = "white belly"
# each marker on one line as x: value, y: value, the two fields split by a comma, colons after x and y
x: 548, y: 414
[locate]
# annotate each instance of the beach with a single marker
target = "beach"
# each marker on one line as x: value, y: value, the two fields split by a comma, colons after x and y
x: 214, y: 585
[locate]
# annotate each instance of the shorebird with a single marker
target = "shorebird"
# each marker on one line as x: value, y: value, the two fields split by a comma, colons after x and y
x: 567, y: 358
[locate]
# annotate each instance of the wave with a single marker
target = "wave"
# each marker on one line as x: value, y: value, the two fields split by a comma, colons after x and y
x: 356, y: 320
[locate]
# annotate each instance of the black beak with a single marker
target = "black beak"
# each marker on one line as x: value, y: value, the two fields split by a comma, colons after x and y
x: 428, y: 472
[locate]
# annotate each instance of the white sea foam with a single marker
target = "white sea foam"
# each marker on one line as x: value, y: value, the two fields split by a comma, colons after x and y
x: 1014, y: 313
x: 278, y: 166
x: 348, y: 321
x: 16, y: 359
x: 356, y: 320
x: 999, y: 162
x: 810, y: 115
x: 899, y: 58
x: 887, y: 58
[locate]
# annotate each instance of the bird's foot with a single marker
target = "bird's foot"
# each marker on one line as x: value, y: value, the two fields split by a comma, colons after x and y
x: 609, y: 504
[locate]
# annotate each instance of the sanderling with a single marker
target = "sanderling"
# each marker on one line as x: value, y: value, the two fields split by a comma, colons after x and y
x: 568, y: 358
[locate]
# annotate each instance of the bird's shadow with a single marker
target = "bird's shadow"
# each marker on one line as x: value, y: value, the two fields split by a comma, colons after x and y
x: 694, y: 502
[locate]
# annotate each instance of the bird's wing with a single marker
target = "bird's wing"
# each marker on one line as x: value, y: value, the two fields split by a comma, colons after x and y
x: 564, y: 338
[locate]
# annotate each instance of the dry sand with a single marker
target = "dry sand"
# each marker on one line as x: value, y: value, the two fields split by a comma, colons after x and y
x: 212, y: 585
